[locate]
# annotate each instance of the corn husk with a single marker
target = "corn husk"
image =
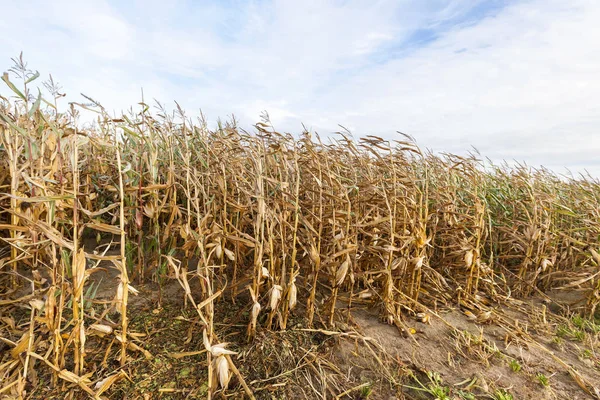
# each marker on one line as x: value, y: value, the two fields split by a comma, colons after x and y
x: 275, y: 296
x: 222, y: 367
x: 342, y: 271
x: 293, y: 296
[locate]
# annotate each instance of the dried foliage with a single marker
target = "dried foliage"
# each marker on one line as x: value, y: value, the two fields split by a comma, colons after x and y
x: 291, y: 223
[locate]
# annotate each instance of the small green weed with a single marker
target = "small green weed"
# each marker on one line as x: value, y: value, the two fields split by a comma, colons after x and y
x: 502, y: 394
x: 542, y: 379
x: 586, y: 353
x: 435, y: 387
x: 366, y: 391
x: 462, y: 395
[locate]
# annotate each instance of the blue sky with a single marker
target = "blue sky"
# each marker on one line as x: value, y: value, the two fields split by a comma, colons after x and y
x: 516, y: 79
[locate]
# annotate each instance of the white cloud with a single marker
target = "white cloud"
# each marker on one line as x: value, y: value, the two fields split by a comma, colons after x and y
x: 370, y: 42
x: 519, y: 83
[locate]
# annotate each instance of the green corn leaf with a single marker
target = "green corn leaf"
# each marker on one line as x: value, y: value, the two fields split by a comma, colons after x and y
x: 33, y: 78
x: 12, y: 124
x: 49, y: 104
x: 36, y: 105
x: 12, y: 86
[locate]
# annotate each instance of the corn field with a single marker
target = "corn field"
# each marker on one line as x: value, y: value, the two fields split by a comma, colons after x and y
x: 287, y: 224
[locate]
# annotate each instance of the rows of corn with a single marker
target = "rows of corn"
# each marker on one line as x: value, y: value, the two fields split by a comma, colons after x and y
x: 288, y: 224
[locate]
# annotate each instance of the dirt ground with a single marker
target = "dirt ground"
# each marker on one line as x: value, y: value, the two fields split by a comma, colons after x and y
x: 533, y: 349
x: 483, y: 359
x: 363, y: 357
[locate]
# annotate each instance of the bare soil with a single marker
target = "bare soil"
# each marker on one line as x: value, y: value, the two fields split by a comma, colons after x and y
x: 529, y: 349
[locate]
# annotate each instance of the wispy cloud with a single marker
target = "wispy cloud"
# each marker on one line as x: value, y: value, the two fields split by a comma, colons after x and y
x: 516, y: 79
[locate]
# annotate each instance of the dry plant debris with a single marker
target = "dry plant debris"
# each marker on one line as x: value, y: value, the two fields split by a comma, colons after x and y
x: 291, y: 232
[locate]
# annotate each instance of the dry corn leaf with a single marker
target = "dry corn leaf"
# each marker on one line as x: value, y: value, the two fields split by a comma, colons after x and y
x: 105, y: 329
x: 21, y: 347
x: 105, y: 384
x: 102, y: 227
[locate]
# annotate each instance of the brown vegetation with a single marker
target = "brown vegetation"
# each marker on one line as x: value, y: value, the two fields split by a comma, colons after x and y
x: 284, y: 227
